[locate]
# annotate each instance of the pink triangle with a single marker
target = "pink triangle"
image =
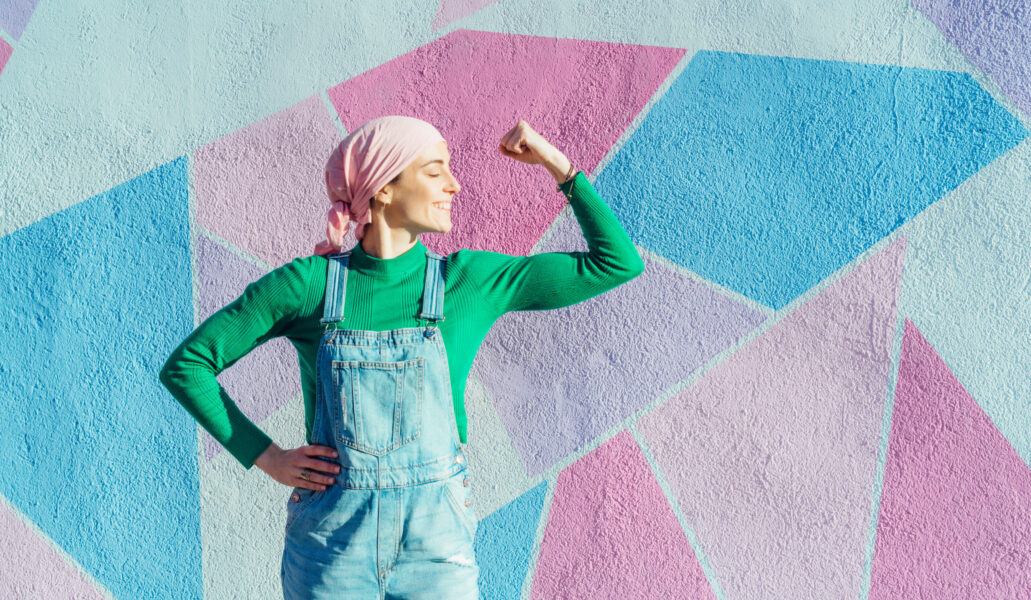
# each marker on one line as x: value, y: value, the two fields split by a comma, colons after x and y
x: 612, y: 534
x: 450, y: 11
x: 5, y: 53
x: 773, y: 453
x: 474, y: 86
x: 955, y: 518
x: 32, y: 569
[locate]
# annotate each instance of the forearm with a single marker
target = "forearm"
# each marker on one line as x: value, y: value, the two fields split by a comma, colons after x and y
x: 194, y: 386
x: 557, y: 279
x: 557, y: 165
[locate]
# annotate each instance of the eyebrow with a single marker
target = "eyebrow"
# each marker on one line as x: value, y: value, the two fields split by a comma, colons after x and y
x: 435, y: 160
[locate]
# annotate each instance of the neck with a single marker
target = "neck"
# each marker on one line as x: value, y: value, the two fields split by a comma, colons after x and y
x: 381, y: 241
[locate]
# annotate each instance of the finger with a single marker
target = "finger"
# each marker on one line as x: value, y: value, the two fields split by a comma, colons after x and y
x: 513, y: 138
x: 506, y: 142
x: 315, y: 480
x: 320, y: 450
x: 309, y: 485
x: 318, y: 464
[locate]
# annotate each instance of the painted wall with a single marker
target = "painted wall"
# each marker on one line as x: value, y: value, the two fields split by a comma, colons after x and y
x: 819, y: 387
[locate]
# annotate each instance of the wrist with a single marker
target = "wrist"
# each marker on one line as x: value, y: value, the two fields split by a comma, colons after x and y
x: 560, y: 168
x: 266, y: 458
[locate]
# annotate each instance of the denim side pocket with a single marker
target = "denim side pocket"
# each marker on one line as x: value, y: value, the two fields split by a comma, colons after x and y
x: 460, y: 498
x: 301, y: 499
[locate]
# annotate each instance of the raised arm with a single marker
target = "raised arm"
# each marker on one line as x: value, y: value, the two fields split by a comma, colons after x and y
x: 556, y: 279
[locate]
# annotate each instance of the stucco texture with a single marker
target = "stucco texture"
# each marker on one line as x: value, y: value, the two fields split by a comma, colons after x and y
x: 818, y: 388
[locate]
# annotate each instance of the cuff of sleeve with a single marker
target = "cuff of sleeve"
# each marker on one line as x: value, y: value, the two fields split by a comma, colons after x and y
x: 567, y: 187
x: 250, y: 453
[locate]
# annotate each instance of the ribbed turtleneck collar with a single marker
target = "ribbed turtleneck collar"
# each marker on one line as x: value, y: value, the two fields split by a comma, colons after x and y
x: 388, y: 267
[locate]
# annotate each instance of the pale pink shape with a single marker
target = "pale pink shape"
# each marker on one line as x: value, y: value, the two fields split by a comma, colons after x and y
x: 612, y: 534
x: 5, y: 53
x: 32, y: 569
x: 772, y: 454
x: 263, y: 187
x: 450, y: 11
x: 955, y: 518
x: 475, y: 86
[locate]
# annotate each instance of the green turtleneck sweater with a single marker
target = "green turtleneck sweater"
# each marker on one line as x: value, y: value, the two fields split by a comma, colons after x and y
x: 480, y: 287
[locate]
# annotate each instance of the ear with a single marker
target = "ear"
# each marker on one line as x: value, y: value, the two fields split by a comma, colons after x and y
x: 383, y: 196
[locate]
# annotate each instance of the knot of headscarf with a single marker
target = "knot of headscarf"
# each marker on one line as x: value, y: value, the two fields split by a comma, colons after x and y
x: 366, y: 160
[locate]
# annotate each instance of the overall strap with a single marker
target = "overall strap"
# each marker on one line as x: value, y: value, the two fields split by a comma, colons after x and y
x: 433, y: 287
x: 336, y: 287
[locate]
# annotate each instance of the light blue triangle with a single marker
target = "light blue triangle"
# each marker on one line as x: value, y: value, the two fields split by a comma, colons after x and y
x: 504, y: 544
x: 97, y: 453
x: 767, y: 174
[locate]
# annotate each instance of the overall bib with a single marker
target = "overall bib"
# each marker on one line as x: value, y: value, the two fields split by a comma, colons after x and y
x: 398, y: 522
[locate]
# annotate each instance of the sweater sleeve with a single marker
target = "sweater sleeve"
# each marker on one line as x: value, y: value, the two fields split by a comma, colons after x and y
x: 557, y: 279
x: 264, y: 311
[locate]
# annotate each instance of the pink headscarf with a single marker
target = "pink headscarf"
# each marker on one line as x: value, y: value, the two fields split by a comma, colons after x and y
x: 367, y: 159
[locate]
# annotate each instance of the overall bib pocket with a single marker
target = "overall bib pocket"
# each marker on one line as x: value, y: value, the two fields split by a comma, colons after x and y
x: 378, y: 405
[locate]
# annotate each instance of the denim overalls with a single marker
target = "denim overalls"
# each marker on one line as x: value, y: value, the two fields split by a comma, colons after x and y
x: 398, y: 522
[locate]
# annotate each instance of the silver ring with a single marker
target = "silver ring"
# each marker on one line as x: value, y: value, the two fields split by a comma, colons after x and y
x: 305, y: 473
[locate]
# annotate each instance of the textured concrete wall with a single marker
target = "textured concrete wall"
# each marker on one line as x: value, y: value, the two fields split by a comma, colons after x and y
x: 817, y: 389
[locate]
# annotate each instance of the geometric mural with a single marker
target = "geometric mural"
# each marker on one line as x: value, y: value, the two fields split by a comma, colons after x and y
x: 994, y: 35
x: 450, y: 11
x: 5, y: 53
x: 955, y: 516
x: 615, y: 537
x: 561, y: 377
x: 752, y: 177
x: 504, y: 544
x: 268, y: 178
x: 14, y: 16
x: 32, y: 569
x: 772, y: 454
x: 767, y: 174
x: 967, y: 286
x: 97, y: 455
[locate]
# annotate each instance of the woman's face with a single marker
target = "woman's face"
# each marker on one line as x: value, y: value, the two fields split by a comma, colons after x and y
x: 421, y: 200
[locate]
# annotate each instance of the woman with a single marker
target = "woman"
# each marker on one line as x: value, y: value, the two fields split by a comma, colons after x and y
x: 386, y: 333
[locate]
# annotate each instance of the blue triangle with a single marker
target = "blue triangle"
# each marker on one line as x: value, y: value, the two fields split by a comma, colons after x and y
x: 767, y: 174
x: 96, y: 452
x: 504, y: 544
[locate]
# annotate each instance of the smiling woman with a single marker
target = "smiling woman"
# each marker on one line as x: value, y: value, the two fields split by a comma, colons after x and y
x: 418, y: 202
x: 384, y: 394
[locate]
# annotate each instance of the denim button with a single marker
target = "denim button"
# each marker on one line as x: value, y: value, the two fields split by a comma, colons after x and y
x: 468, y: 502
x: 465, y: 482
x: 430, y: 332
x: 296, y: 497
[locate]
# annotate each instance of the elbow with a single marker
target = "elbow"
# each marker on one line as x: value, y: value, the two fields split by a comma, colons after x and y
x: 168, y: 373
x: 618, y: 273
x: 632, y: 269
